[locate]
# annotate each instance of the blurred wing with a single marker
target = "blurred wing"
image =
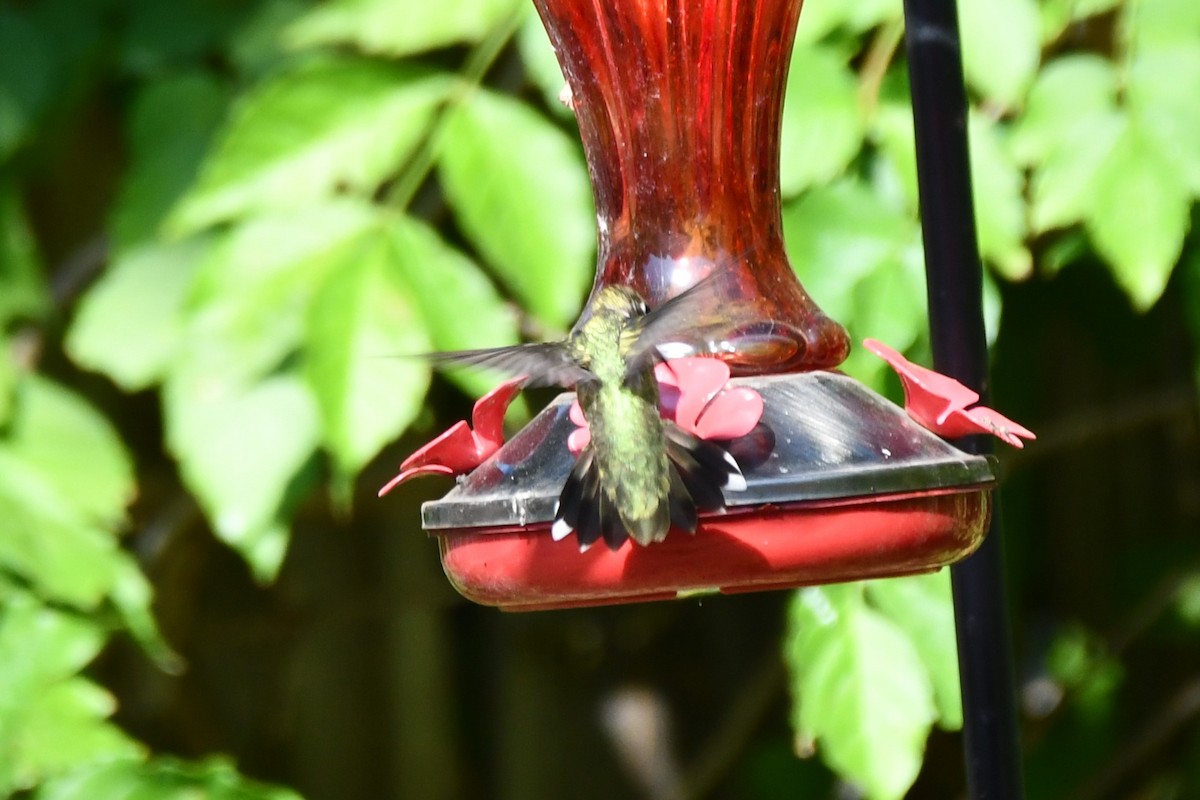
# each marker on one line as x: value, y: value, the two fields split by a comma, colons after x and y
x: 543, y: 364
x: 699, y: 320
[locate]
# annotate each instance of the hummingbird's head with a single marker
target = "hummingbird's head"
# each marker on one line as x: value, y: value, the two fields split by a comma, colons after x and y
x: 620, y: 303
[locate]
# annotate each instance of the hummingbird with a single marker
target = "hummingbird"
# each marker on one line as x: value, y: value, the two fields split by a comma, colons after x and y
x: 640, y: 474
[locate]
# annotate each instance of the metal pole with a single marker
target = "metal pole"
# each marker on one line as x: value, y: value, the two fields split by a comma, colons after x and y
x: 955, y: 287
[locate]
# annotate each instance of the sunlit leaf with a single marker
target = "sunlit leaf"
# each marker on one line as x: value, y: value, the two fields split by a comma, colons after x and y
x: 822, y: 124
x: 23, y: 290
x: 130, y: 324
x: 1152, y: 24
x: 1163, y: 85
x: 170, y: 128
x: 895, y: 168
x: 1070, y: 92
x: 859, y: 688
x: 305, y: 135
x: 520, y: 191
x: 9, y: 377
x: 49, y: 718
x: 861, y: 260
x: 131, y: 595
x: 250, y: 300
x: 362, y: 319
x: 460, y: 307
x: 922, y: 607
x: 998, y: 185
x: 1139, y: 217
x: 239, y: 448
x: 1063, y: 187
x: 1057, y: 15
x: 840, y: 234
x: 822, y: 17
x: 397, y: 29
x: 48, y: 543
x: 1001, y: 46
x: 160, y: 779
x: 888, y: 305
x: 74, y: 447
x: 541, y: 65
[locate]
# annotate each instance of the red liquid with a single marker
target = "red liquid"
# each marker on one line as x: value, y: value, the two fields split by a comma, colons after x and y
x: 679, y: 104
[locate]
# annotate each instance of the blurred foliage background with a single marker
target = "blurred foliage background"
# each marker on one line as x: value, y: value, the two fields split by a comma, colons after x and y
x: 216, y: 215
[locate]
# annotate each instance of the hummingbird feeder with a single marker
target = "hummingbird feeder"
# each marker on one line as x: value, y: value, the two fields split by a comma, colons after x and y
x: 678, y: 104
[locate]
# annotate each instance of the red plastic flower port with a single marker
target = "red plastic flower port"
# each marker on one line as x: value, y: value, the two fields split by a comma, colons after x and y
x: 459, y: 449
x: 940, y: 403
x: 695, y: 394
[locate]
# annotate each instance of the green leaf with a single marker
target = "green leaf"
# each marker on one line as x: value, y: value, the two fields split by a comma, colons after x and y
x: 889, y: 305
x: 9, y: 377
x: 1057, y: 15
x: 860, y: 258
x: 160, y: 779
x: 327, y: 127
x: 1187, y: 600
x: 250, y: 301
x: 49, y: 718
x: 131, y: 596
x: 541, y: 64
x: 1140, y: 212
x: 1063, y: 187
x: 448, y: 289
x: 257, y: 46
x: 519, y: 188
x: 130, y: 324
x: 239, y: 448
x: 74, y: 448
x: 895, y: 169
x: 1001, y: 44
x: 922, y: 607
x: 23, y: 291
x: 26, y: 71
x: 840, y: 234
x: 1151, y: 24
x: 1161, y: 93
x: 822, y: 125
x: 158, y: 36
x: 362, y: 319
x: 1069, y: 94
x: 170, y: 127
x: 822, y: 17
x: 860, y: 690
x: 998, y: 190
x: 399, y: 29
x: 50, y: 544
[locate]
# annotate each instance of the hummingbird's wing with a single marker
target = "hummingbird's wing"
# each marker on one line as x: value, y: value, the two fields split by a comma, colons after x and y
x: 543, y: 364
x: 700, y: 319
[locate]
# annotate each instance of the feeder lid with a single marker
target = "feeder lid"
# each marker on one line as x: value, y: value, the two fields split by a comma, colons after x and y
x: 823, y: 437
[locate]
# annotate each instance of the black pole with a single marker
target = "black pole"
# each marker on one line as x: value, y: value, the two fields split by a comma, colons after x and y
x: 955, y: 287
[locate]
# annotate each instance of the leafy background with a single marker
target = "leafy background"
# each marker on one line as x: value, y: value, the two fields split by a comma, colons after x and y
x: 216, y: 215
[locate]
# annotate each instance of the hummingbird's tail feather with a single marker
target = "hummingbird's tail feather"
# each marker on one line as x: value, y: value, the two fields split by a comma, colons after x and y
x: 704, y: 467
x: 571, y: 500
x: 587, y: 514
x: 611, y: 527
x: 683, y: 508
x: 699, y: 471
